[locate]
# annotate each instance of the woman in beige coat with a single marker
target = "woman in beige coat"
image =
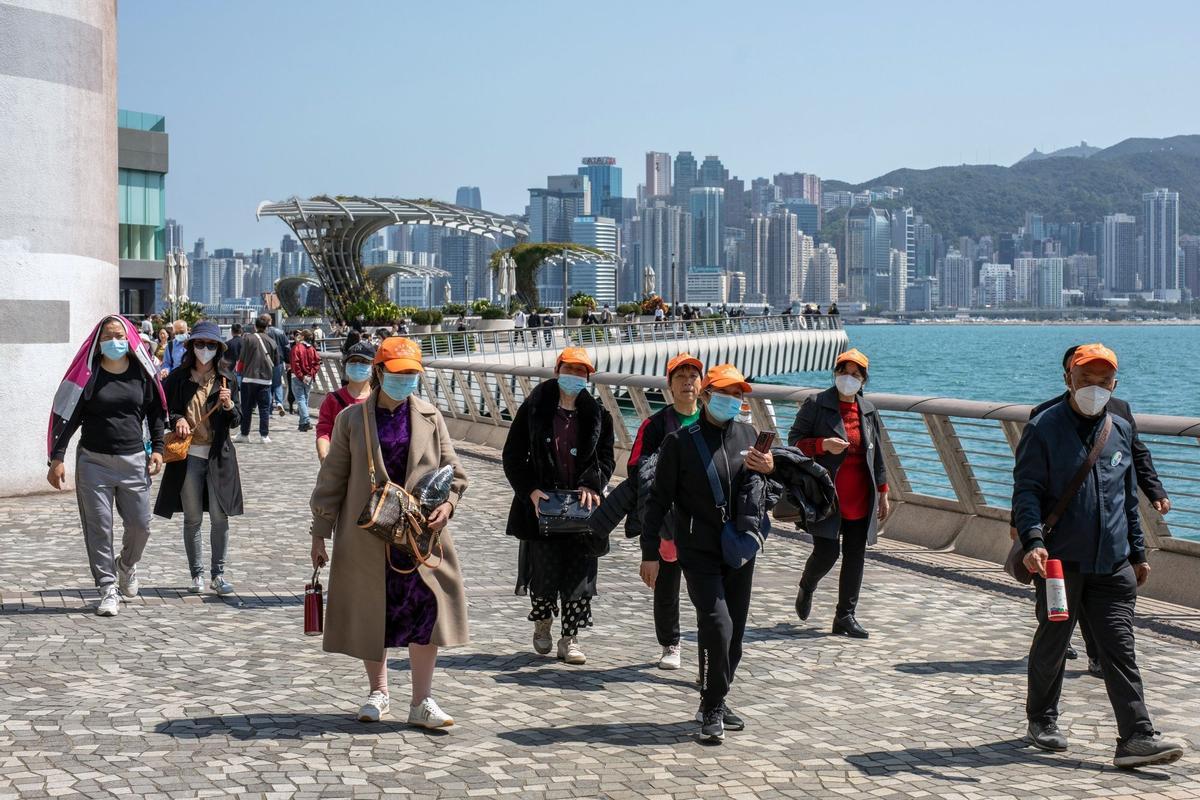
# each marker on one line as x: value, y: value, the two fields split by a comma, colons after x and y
x: 372, y: 606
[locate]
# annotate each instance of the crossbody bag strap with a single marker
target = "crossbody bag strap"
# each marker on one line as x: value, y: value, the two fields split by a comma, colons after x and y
x: 714, y: 482
x: 370, y: 450
x: 1079, y: 477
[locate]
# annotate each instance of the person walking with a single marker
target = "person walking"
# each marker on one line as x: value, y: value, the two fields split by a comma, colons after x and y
x: 173, y: 353
x: 715, y: 451
x: 378, y: 598
x: 684, y: 375
x: 560, y: 440
x: 357, y: 389
x: 162, y: 341
x: 1099, y: 541
x: 233, y: 350
x: 305, y: 364
x: 111, y: 394
x: 202, y: 403
x: 840, y: 430
x: 278, y: 377
x: 260, y: 356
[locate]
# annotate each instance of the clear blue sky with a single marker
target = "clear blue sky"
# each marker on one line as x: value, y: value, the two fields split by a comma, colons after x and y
x: 267, y: 99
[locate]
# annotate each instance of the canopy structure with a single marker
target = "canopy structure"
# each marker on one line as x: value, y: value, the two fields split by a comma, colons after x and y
x: 288, y: 291
x: 334, y: 229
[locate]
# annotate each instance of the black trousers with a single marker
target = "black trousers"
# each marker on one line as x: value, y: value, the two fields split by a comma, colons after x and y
x: 1107, y: 603
x: 825, y: 555
x: 256, y: 395
x: 721, y: 595
x: 666, y: 603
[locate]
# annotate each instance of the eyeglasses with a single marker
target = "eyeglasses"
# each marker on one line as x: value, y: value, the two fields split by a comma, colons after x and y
x: 204, y: 346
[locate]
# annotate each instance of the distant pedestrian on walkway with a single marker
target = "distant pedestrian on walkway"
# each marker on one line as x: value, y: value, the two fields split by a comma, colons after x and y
x: 260, y: 356
x: 305, y: 364
x: 162, y: 340
x: 840, y: 430
x: 378, y: 598
x: 1098, y: 538
x: 202, y: 402
x: 173, y: 353
x: 560, y: 440
x: 111, y: 393
x: 278, y: 377
x: 357, y: 389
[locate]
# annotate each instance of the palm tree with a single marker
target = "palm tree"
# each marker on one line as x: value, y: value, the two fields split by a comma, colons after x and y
x: 531, y: 256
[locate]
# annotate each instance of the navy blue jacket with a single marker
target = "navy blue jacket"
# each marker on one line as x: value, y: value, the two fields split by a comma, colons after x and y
x: 1100, y: 528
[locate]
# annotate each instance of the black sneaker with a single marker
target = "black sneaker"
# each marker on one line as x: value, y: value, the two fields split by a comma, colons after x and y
x: 732, y: 721
x: 804, y: 600
x: 1095, y: 669
x: 1047, y: 736
x: 1145, y: 749
x: 849, y: 626
x: 1072, y: 653
x: 712, y: 725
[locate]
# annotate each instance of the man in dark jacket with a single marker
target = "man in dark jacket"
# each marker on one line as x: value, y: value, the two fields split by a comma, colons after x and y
x: 277, y: 375
x: 720, y: 593
x: 1099, y: 541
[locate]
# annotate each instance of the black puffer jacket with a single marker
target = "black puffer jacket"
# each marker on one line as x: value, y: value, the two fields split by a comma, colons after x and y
x: 807, y: 485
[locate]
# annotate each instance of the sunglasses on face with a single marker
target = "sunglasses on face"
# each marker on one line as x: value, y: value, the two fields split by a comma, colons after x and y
x: 204, y: 346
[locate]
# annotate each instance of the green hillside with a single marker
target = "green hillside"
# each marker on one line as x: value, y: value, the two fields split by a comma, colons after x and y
x: 973, y: 200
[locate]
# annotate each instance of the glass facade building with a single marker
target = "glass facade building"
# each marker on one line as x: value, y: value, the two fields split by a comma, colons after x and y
x: 141, y: 208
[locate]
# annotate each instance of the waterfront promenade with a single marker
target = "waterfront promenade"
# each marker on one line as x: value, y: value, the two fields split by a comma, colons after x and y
x: 183, y: 696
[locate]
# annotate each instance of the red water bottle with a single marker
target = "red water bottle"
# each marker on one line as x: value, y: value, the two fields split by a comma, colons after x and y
x: 314, y: 606
x: 1056, y: 592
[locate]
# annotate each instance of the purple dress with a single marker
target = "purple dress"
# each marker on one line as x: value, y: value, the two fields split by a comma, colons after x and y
x: 411, y: 606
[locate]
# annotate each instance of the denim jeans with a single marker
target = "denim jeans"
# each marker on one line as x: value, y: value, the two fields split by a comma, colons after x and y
x: 195, y: 486
x: 278, y: 394
x: 300, y: 390
x: 256, y: 395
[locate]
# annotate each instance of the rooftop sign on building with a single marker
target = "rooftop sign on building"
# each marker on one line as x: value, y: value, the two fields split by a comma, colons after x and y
x: 599, y: 161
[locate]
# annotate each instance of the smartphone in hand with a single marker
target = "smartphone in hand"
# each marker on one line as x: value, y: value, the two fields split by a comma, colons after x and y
x: 764, y: 441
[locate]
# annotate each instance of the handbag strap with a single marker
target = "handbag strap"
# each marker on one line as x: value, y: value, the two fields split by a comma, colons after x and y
x: 370, y: 450
x: 1079, y: 477
x: 714, y: 481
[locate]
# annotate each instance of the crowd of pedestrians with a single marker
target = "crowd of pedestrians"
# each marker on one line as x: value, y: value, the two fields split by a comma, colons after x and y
x: 701, y: 488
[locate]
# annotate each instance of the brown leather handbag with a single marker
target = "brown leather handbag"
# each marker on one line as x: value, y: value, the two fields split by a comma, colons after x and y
x: 175, y: 447
x: 394, y: 516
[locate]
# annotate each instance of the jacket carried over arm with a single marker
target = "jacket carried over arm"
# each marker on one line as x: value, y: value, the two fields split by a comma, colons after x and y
x: 643, y: 462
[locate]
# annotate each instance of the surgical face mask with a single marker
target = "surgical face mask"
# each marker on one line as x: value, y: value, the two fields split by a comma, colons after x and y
x: 358, y: 372
x: 1092, y: 399
x: 571, y: 385
x: 181, y: 337
x: 114, y: 348
x: 848, y: 385
x: 723, y: 407
x: 399, y: 387
x: 205, y: 353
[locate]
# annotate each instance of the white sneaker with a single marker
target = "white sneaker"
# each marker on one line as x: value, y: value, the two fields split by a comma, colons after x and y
x: 220, y: 585
x: 376, y: 706
x: 110, y: 602
x: 282, y: 411
x: 670, y: 657
x: 127, y: 580
x: 569, y: 651
x: 196, y: 585
x: 241, y: 438
x: 428, y: 715
x: 543, y: 642
x: 264, y: 439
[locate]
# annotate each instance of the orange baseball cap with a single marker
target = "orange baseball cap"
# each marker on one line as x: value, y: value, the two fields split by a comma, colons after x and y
x: 684, y: 360
x: 722, y: 376
x: 397, y: 354
x: 1087, y: 353
x: 854, y: 356
x: 575, y: 355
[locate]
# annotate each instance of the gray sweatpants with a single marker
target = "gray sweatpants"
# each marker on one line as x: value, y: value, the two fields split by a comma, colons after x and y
x: 99, y: 481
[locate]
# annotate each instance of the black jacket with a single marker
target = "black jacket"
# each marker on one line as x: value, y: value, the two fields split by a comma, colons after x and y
x: 529, y: 461
x: 806, y: 484
x: 650, y: 436
x: 820, y: 417
x: 1100, y: 528
x: 224, y: 479
x: 681, y: 480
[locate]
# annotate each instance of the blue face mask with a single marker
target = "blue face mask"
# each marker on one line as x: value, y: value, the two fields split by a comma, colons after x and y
x: 181, y: 337
x: 723, y: 407
x: 571, y: 385
x: 399, y: 387
x: 114, y: 348
x: 358, y: 372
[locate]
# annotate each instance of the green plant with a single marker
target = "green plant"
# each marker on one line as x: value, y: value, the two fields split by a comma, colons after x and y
x: 186, y: 310
x: 454, y: 309
x: 427, y: 316
x: 576, y: 312
x: 493, y: 313
x: 373, y: 312
x: 629, y: 308
x: 530, y: 257
x: 481, y: 305
x: 582, y: 299
x: 407, y: 311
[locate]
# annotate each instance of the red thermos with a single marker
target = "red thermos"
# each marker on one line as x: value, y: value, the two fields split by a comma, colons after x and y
x: 314, y: 606
x: 1056, y: 592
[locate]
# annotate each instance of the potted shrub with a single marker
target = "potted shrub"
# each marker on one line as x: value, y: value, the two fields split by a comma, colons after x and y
x: 575, y: 314
x: 425, y: 319
x: 493, y: 318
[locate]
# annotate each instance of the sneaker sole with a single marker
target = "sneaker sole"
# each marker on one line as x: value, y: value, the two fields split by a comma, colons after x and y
x: 1132, y: 762
x: 100, y: 612
x: 1045, y: 747
x: 575, y: 662
x: 667, y: 665
x: 130, y: 593
x: 543, y: 651
x: 447, y: 724
x: 711, y: 737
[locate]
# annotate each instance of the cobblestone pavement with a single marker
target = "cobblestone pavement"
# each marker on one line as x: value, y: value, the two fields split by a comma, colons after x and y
x: 186, y: 696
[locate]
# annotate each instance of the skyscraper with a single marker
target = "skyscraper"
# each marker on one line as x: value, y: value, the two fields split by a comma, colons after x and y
x: 799, y: 186
x: 552, y: 209
x: 713, y: 172
x: 868, y: 255
x: 904, y: 236
x: 458, y: 256
x: 1160, y: 215
x: 705, y: 204
x: 782, y: 257
x: 1119, y: 257
x: 995, y: 285
x: 923, y: 242
x: 755, y: 265
x: 897, y: 279
x: 1050, y: 282
x: 604, y: 177
x: 468, y: 197
x: 173, y: 235
x: 734, y: 209
x: 762, y: 194
x: 955, y: 280
x: 658, y: 174
x: 822, y: 284
x: 666, y: 232
x: 1189, y: 267
x: 686, y: 177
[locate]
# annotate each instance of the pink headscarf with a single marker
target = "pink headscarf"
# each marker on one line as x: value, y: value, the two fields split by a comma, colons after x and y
x: 79, y: 375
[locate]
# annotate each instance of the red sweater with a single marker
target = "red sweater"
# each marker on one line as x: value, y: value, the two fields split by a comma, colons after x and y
x: 306, y: 361
x: 853, y: 479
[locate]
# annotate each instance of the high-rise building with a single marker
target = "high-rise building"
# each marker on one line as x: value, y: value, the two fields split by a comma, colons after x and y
x: 686, y: 177
x: 954, y: 283
x: 783, y: 257
x: 897, y: 279
x: 665, y: 234
x: 604, y: 178
x: 734, y: 209
x: 458, y: 257
x: 468, y: 197
x: 805, y: 247
x: 597, y: 232
x: 552, y: 209
x: 713, y: 173
x: 808, y: 216
x: 199, y: 250
x: 1050, y: 282
x: 1082, y: 273
x: 705, y: 205
x: 1118, y: 264
x: 1025, y: 282
x: 904, y: 238
x: 868, y: 256
x: 923, y: 241
x: 1189, y: 248
x: 1160, y: 216
x: 707, y: 285
x: 822, y: 283
x: 995, y: 285
x: 762, y: 194
x: 755, y: 265
x: 658, y: 175
x: 173, y: 236
x: 141, y: 208
x: 1034, y: 226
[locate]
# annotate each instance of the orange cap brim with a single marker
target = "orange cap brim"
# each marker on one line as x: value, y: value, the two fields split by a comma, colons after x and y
x: 725, y: 383
x: 401, y: 364
x: 1088, y: 359
x: 687, y: 362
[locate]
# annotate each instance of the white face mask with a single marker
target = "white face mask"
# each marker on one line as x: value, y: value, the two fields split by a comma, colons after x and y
x: 1092, y: 399
x: 205, y: 356
x: 847, y: 385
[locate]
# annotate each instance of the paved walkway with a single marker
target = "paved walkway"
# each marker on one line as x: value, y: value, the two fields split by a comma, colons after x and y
x: 184, y: 696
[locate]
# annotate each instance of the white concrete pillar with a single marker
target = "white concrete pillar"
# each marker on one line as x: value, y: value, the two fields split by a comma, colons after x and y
x: 58, y: 210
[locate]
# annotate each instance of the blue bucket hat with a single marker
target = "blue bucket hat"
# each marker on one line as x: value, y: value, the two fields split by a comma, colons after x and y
x: 207, y: 331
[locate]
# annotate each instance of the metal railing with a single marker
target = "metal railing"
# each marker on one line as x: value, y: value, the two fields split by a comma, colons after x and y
x: 942, y: 453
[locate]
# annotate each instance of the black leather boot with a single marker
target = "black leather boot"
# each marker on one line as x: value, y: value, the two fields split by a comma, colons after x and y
x: 804, y: 600
x: 849, y: 626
